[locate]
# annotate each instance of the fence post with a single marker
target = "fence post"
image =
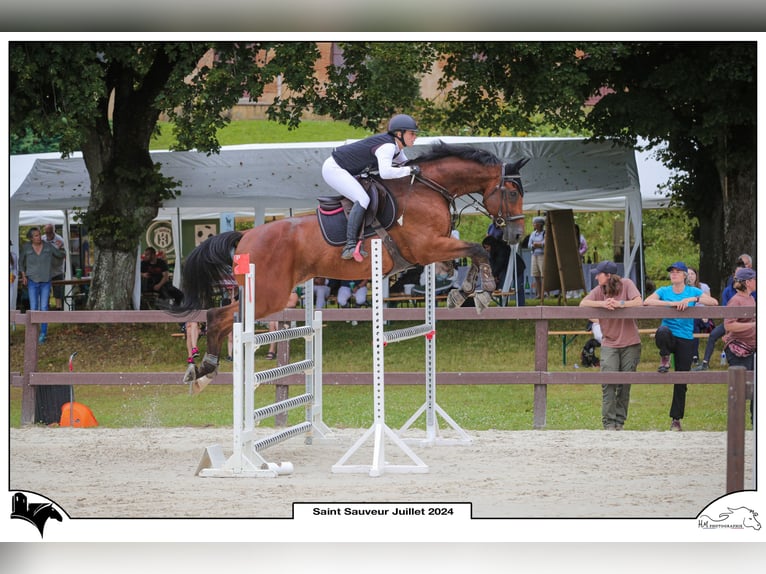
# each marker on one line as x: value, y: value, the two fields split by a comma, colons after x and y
x: 541, y: 365
x: 28, y: 392
x: 735, y: 431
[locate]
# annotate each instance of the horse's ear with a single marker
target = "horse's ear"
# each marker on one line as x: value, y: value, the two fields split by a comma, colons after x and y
x: 515, y: 167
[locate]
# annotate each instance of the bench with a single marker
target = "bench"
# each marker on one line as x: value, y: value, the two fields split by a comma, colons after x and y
x: 568, y: 337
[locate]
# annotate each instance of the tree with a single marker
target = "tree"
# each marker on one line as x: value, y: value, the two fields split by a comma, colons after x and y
x: 105, y: 99
x: 699, y: 98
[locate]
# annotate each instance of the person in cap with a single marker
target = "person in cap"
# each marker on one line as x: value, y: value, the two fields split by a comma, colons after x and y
x: 384, y: 152
x: 743, y: 261
x: 740, y: 338
x: 537, y: 245
x: 620, y: 339
x: 676, y: 335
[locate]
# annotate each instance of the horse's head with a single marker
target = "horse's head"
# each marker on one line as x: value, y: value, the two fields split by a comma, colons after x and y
x: 505, y: 202
x: 749, y: 520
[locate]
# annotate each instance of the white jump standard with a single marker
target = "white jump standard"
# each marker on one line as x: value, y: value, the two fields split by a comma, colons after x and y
x: 379, y: 429
x: 246, y: 460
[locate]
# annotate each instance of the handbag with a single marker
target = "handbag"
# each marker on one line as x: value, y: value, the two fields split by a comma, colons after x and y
x: 740, y: 349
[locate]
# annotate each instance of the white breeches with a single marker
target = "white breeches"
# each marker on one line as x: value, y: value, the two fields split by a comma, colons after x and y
x: 343, y: 182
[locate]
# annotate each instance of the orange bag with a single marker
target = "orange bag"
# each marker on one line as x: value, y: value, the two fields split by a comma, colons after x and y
x: 80, y: 416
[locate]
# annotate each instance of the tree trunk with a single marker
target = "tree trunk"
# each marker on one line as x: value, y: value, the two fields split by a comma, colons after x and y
x: 114, y: 275
x: 739, y: 218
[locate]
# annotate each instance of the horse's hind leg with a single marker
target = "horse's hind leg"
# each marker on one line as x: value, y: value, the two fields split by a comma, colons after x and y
x: 219, y: 324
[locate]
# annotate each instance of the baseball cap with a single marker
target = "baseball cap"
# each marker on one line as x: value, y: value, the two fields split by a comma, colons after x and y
x: 680, y: 265
x: 744, y: 273
x: 605, y: 267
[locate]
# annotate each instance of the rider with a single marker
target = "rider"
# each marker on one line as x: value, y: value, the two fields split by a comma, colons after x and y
x: 384, y: 151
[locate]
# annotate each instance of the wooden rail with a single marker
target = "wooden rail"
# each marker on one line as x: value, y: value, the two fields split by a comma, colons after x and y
x: 740, y: 381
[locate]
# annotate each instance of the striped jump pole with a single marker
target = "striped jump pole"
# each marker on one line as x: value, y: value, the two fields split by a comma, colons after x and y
x: 246, y: 459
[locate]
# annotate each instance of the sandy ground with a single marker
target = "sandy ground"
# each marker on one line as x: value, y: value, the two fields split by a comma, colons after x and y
x: 151, y: 473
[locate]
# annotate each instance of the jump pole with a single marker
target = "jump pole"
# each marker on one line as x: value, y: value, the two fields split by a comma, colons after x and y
x: 246, y: 460
x: 379, y: 430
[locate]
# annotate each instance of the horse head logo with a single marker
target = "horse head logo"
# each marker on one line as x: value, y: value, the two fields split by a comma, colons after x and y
x: 37, y: 513
x: 741, y: 517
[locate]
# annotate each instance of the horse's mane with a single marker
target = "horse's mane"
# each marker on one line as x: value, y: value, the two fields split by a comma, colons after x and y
x: 441, y: 150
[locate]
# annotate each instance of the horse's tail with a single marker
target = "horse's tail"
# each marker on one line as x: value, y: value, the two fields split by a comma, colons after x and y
x: 206, y: 271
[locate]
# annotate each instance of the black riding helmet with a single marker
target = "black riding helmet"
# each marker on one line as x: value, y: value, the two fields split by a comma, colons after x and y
x: 402, y: 123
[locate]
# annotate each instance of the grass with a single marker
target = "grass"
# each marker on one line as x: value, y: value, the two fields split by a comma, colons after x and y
x: 482, y: 345
x: 262, y: 131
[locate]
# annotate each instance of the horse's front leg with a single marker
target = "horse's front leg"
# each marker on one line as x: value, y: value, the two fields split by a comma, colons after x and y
x: 480, y: 267
x: 220, y: 322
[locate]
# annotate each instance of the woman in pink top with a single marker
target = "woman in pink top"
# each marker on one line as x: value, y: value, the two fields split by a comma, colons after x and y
x: 620, y: 340
x: 740, y: 338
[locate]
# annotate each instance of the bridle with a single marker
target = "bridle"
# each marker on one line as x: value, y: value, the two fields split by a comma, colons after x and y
x: 506, y: 199
x: 506, y: 195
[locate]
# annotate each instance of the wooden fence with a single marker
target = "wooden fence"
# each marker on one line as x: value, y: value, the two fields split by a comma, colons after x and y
x: 540, y: 378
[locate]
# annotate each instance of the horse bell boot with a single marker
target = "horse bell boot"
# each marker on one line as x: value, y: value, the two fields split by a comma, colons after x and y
x: 355, y: 218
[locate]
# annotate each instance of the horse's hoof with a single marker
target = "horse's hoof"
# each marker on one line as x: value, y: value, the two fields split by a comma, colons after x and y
x: 455, y: 299
x: 481, y: 301
x: 196, y: 387
x: 191, y: 373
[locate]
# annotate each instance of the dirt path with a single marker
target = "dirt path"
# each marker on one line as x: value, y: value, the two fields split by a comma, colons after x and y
x: 150, y: 472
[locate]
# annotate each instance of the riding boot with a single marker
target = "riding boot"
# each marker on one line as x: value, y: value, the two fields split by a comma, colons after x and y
x: 355, y: 218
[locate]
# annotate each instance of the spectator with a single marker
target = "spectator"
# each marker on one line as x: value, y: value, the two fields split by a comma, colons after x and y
x: 537, y: 245
x: 321, y: 292
x: 740, y: 338
x: 582, y: 245
x: 155, y: 277
x: 620, y: 339
x: 700, y: 325
x: 499, y: 254
x: 743, y: 261
x: 356, y: 288
x: 677, y: 335
x: 35, y: 264
x: 292, y: 302
x: 58, y: 267
x: 191, y: 328
x: 446, y: 279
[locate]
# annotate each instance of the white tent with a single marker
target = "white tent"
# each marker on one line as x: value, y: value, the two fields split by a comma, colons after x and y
x: 264, y: 179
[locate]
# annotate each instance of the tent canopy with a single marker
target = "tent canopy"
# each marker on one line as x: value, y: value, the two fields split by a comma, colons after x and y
x: 266, y: 179
x: 562, y: 172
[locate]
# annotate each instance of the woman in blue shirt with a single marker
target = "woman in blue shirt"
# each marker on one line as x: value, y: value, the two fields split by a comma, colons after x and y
x: 676, y: 335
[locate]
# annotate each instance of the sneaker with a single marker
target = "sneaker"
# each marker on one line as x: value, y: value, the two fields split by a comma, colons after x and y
x: 195, y: 352
x: 41, y: 339
x: 190, y: 360
x: 675, y: 425
x: 702, y: 366
x: 664, y: 365
x: 619, y: 426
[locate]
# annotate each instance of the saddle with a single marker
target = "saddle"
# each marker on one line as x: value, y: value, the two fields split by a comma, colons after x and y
x: 333, y: 211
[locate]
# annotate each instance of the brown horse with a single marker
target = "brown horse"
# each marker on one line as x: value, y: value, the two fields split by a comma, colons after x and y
x: 290, y: 251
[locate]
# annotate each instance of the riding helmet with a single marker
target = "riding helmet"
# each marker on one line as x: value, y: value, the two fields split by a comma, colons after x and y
x: 402, y: 122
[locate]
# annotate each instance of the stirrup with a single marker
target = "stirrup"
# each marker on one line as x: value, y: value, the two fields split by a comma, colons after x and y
x: 348, y: 251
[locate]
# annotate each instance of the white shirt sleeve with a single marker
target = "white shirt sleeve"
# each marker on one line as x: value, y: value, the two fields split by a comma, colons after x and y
x: 385, y: 155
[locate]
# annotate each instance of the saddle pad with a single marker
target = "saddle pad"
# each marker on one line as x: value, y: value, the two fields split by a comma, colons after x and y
x: 332, y: 219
